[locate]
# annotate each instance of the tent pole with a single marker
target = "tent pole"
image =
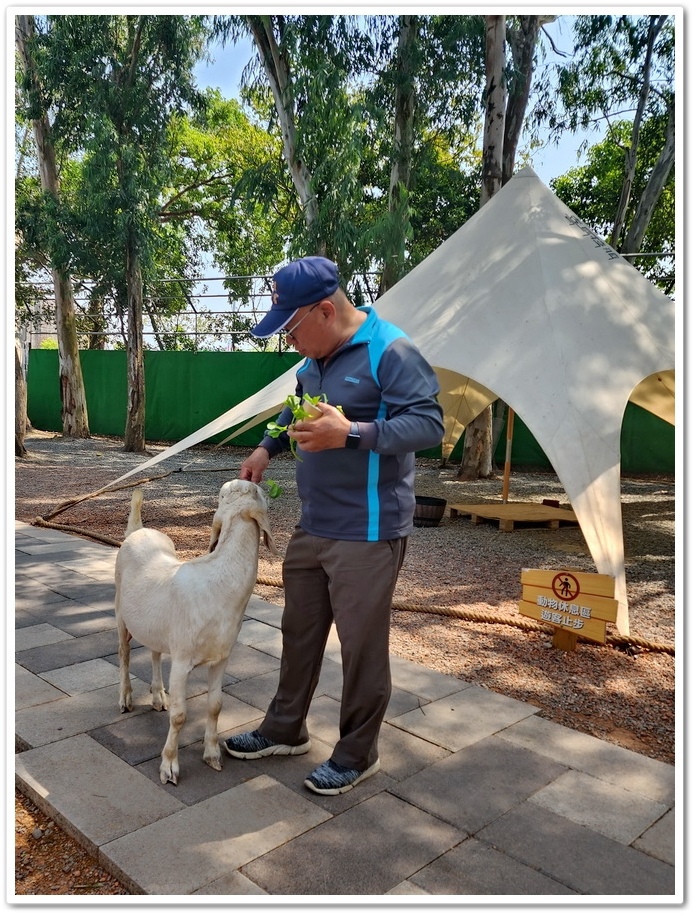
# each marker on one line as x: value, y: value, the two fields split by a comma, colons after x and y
x: 508, y: 453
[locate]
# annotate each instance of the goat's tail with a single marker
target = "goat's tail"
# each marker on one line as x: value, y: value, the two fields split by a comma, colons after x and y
x: 135, y: 520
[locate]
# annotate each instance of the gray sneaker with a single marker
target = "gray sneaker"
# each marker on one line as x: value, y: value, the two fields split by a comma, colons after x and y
x: 251, y: 745
x: 331, y: 778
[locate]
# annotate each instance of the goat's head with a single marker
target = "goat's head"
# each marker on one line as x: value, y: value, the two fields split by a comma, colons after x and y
x: 242, y: 497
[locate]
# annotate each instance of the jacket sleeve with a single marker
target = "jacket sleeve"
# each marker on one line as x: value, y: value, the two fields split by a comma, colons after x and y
x: 413, y: 420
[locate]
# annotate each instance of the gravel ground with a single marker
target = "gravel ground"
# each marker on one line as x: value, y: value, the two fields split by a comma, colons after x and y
x: 623, y: 695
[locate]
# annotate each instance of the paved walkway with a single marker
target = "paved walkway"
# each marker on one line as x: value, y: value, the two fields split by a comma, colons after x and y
x: 478, y: 797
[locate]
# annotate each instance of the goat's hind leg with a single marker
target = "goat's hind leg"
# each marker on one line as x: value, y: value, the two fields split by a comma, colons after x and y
x: 159, y: 697
x: 125, y: 690
x: 169, y: 768
x: 211, y: 745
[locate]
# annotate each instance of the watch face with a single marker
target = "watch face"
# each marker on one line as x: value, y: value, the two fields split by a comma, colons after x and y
x: 353, y: 438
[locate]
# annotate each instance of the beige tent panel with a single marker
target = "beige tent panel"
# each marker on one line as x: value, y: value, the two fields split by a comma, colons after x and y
x: 656, y: 393
x: 462, y: 399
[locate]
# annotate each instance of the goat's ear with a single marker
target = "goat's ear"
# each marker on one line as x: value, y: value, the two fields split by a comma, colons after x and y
x: 260, y: 516
x: 215, y: 533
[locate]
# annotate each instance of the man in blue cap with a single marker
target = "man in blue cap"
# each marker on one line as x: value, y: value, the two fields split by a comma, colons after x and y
x: 355, y: 478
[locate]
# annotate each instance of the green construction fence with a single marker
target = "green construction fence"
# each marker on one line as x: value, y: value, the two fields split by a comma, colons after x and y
x: 184, y: 391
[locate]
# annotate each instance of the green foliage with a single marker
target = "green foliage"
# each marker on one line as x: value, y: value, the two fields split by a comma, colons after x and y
x: 592, y: 191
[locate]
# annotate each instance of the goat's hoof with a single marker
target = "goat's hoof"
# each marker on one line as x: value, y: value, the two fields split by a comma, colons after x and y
x: 213, y: 762
x: 159, y: 701
x: 126, y: 707
x: 167, y: 775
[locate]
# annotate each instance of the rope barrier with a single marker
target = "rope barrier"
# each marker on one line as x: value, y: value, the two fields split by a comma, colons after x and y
x: 521, y: 623
x: 619, y: 642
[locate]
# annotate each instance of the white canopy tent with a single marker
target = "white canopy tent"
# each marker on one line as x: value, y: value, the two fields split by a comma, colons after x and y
x: 525, y: 303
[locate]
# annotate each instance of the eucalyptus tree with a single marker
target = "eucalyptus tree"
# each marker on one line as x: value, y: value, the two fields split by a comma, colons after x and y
x: 506, y: 96
x: 37, y: 97
x: 591, y: 191
x: 306, y: 67
x: 624, y: 65
x: 116, y: 81
x: 421, y: 136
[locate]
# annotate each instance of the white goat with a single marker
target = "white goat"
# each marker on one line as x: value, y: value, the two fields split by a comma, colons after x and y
x: 191, y: 611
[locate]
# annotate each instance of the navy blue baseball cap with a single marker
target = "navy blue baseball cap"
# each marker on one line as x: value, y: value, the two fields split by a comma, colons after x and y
x: 300, y: 283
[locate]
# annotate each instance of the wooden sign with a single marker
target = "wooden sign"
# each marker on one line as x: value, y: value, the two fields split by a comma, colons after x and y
x: 575, y: 603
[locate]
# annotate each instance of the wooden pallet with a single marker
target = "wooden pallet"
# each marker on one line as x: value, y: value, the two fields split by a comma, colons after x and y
x: 511, y: 515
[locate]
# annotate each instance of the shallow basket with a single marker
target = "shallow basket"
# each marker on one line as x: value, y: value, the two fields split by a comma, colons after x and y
x: 429, y: 511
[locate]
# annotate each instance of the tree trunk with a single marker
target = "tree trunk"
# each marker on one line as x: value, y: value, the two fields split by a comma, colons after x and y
x: 277, y: 67
x: 477, y: 456
x: 494, y: 120
x: 72, y: 390
x: 633, y: 239
x: 477, y: 459
x: 399, y: 183
x: 20, y: 406
x: 631, y: 154
x: 523, y: 42
x: 134, y: 438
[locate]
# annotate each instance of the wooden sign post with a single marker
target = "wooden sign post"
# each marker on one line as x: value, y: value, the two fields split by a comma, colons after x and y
x: 574, y: 603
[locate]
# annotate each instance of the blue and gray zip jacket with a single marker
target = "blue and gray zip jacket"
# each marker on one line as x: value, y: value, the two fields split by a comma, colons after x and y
x: 381, y: 380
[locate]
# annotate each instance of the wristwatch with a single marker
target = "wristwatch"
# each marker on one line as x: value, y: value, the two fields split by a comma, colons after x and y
x: 353, y: 437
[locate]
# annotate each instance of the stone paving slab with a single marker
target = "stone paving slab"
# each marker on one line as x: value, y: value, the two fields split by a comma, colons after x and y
x: 464, y: 717
x: 31, y: 690
x: 608, y: 809
x: 142, y: 738
x: 69, y: 652
x: 30, y: 593
x: 658, y: 840
x: 41, y: 634
x: 233, y: 884
x: 222, y: 834
x: 475, y: 869
x: 45, y: 535
x: 643, y: 775
x: 92, y: 792
x: 475, y: 786
x: 424, y: 682
x: 83, y: 677
x: 78, y: 619
x: 583, y: 860
x: 368, y: 849
x: 70, y: 716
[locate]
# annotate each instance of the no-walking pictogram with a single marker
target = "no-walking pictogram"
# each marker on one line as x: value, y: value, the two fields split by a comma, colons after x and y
x: 565, y: 586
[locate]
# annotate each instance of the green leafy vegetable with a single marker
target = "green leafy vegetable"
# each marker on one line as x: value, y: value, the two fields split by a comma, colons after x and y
x: 299, y: 412
x: 274, y: 488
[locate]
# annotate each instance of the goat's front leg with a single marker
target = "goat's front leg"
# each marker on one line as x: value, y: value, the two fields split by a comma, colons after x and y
x: 211, y: 745
x: 159, y: 697
x: 125, y: 699
x: 169, y: 768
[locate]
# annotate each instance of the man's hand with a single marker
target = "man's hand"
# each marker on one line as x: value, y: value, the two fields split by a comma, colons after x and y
x: 254, y: 466
x: 327, y: 431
